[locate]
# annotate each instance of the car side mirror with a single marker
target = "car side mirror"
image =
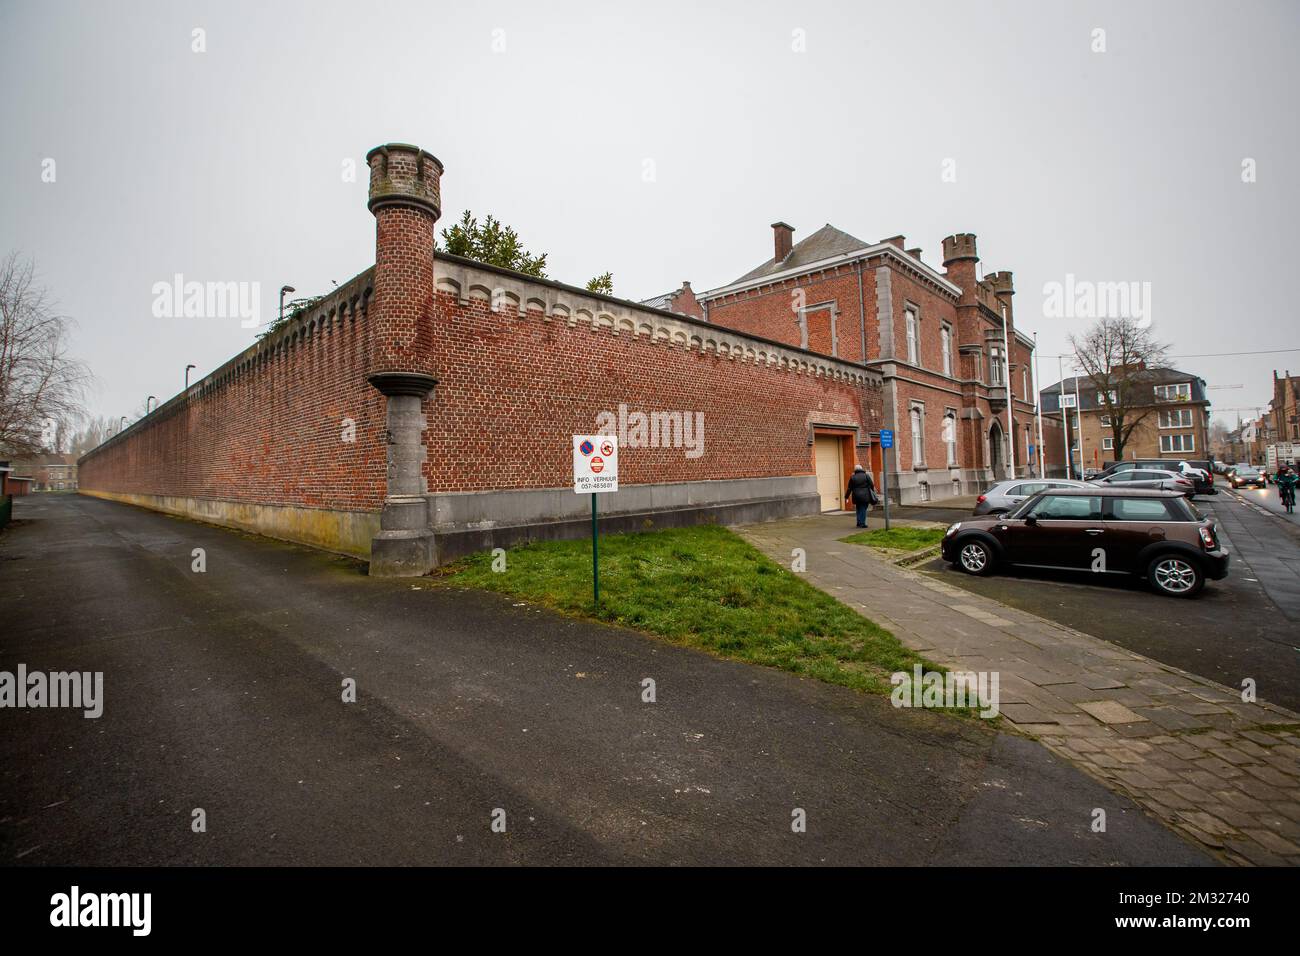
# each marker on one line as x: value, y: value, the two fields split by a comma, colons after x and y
x: 1030, y: 520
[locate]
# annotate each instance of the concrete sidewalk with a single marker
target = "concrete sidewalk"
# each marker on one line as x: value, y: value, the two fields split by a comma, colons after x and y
x: 1188, y: 750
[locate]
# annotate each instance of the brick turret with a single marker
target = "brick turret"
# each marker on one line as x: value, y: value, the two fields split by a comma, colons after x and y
x: 406, y: 201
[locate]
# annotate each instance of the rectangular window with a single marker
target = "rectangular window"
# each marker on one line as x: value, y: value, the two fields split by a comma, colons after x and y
x: 1178, y: 443
x: 911, y: 336
x: 946, y: 337
x: 1024, y: 382
x: 1067, y: 401
x: 1102, y: 397
x: 1176, y: 418
x: 1108, y: 444
x: 995, y: 365
x: 950, y: 435
x: 1105, y: 421
x: 1182, y: 392
x: 917, y: 416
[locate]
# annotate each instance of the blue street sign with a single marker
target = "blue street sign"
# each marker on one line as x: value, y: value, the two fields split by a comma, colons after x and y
x: 886, y: 438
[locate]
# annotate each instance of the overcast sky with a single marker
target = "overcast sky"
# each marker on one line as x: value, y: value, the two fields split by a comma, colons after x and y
x: 227, y: 165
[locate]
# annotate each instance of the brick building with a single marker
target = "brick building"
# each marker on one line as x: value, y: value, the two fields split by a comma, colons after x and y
x: 425, y: 409
x: 1284, y: 409
x: 50, y: 472
x: 1174, y: 410
x: 944, y: 343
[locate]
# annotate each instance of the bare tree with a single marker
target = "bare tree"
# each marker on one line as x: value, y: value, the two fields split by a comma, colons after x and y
x: 41, y: 385
x: 1115, y: 354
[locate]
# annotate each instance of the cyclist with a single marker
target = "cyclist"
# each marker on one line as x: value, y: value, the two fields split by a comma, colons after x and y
x: 1286, y: 481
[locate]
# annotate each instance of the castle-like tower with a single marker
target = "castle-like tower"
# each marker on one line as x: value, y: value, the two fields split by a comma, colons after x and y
x: 406, y: 202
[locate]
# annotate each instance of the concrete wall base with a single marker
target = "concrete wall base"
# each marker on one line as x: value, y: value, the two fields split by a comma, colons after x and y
x: 455, y: 543
x: 402, y: 554
x: 345, y: 532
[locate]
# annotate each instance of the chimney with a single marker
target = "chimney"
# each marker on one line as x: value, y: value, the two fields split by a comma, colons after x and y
x: 783, y: 235
x: 897, y: 241
x: 915, y: 253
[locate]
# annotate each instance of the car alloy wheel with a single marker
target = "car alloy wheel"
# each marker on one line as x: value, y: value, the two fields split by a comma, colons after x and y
x: 1175, y: 575
x: 974, y: 558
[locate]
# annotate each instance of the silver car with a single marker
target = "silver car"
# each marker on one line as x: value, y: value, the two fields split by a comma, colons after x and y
x: 1006, y: 495
x: 1150, y: 478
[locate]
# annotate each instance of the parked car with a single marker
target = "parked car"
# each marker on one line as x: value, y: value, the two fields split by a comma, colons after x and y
x: 1244, y: 476
x: 1158, y: 535
x: 1202, y: 481
x: 1006, y: 496
x: 1150, y: 478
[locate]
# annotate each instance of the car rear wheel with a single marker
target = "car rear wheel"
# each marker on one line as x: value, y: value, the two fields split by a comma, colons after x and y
x: 1176, y: 575
x: 974, y: 557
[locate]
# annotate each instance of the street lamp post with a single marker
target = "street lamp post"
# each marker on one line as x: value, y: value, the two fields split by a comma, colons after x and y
x: 284, y: 289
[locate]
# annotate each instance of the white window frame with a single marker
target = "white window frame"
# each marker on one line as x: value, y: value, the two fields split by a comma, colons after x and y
x: 1101, y: 397
x: 1108, y: 444
x: 1104, y: 420
x: 950, y: 414
x: 912, y: 323
x: 1164, y: 415
x: 946, y: 338
x: 916, y: 422
x: 1186, y: 443
x: 1174, y: 392
x: 995, y: 366
x: 1067, y: 400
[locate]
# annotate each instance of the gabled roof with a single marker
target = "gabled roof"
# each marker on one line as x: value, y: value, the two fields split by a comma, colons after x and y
x: 1147, y: 378
x: 822, y: 244
x: 659, y: 301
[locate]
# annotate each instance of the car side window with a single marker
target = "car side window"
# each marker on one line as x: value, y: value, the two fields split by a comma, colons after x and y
x: 1140, y: 509
x: 1028, y: 488
x: 1066, y: 508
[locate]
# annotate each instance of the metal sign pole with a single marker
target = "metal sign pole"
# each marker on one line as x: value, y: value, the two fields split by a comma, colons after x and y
x: 884, y: 481
x: 595, y: 553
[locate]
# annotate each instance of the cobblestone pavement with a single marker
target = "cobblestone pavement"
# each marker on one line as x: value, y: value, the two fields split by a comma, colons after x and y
x: 1188, y: 750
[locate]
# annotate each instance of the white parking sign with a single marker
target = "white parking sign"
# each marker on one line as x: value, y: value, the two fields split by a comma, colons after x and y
x: 595, y: 464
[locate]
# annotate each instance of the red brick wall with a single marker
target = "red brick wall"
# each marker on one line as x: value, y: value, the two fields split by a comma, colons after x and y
x: 511, y: 392
x: 769, y: 312
x: 266, y: 430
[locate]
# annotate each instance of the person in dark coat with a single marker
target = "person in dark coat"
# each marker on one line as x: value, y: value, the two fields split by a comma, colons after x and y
x: 863, y: 492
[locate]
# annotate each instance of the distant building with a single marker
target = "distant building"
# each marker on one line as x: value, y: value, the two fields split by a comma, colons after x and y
x: 1284, y: 410
x: 49, y: 472
x: 1175, y: 414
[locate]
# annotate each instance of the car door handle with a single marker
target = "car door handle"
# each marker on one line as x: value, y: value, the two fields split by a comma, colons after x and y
x: 1094, y: 530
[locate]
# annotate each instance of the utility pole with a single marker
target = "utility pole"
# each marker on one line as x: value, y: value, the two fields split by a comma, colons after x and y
x: 1011, y: 402
x: 1065, y: 425
x: 1038, y: 411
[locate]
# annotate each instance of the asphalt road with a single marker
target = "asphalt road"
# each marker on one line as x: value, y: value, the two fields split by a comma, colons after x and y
x: 223, y: 692
x: 1247, y: 625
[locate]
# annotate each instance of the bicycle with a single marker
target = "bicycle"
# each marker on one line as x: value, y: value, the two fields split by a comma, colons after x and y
x: 1288, y: 497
